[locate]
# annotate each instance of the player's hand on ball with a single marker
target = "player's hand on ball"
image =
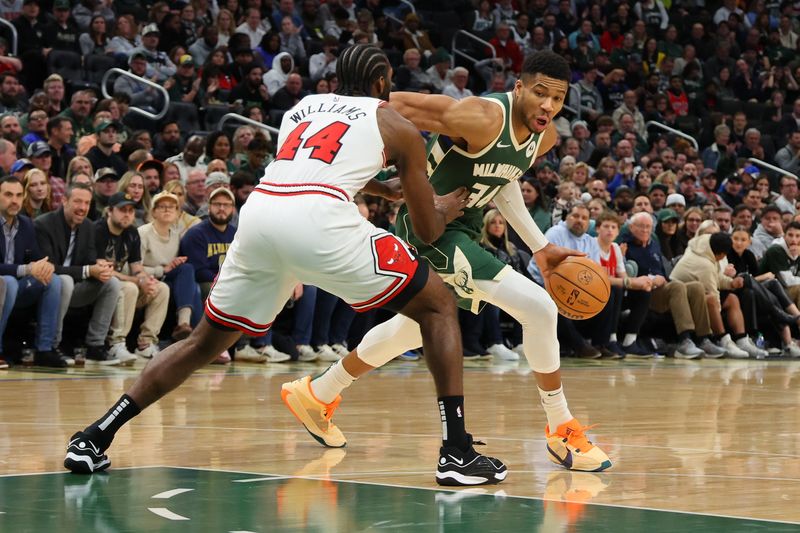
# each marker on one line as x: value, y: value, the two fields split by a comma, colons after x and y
x: 550, y: 256
x: 452, y: 204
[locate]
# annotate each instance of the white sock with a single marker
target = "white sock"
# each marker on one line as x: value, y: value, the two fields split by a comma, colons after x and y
x: 630, y: 338
x: 327, y: 386
x: 612, y: 337
x: 555, y: 407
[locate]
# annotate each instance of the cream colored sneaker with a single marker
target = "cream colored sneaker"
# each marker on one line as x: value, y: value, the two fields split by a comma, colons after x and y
x: 248, y: 354
x: 570, y: 448
x: 273, y: 355
x: 312, y: 413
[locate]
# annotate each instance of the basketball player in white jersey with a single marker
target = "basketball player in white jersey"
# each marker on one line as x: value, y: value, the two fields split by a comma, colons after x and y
x: 301, y: 226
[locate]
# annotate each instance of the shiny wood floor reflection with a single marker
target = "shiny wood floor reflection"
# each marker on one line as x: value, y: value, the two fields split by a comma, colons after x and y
x: 711, y: 437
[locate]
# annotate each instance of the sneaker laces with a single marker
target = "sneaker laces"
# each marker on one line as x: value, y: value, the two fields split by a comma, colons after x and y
x: 576, y: 437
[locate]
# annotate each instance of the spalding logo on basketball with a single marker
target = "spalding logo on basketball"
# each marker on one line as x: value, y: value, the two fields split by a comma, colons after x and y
x: 579, y: 287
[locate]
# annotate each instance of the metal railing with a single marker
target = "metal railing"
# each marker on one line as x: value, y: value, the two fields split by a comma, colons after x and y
x: 14, y: 35
x: 410, y: 5
x: 674, y: 132
x: 760, y: 163
x: 249, y: 121
x: 118, y: 71
x: 456, y: 51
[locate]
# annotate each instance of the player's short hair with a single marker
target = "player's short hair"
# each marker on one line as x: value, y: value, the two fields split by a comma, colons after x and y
x: 358, y: 68
x: 547, y: 63
x: 720, y: 243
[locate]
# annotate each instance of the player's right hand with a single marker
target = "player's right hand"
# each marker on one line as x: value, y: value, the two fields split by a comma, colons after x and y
x: 452, y: 204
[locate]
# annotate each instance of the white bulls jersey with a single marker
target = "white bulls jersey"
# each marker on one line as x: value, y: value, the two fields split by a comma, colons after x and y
x: 327, y: 139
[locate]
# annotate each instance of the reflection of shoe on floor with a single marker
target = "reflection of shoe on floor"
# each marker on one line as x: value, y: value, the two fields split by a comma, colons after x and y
x: 465, y: 468
x: 312, y: 413
x: 569, y: 447
x: 322, y: 466
x: 579, y: 487
x: 502, y: 353
x: 83, y: 456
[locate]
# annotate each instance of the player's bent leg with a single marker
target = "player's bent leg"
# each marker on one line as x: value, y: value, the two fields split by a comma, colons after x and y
x: 167, y: 370
x: 531, y: 306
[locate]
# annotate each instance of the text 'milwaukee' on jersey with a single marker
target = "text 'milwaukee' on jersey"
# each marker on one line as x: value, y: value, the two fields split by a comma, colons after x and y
x: 329, y: 139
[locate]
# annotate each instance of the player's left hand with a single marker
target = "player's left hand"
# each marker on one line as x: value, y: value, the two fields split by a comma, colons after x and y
x: 393, y: 189
x: 551, y: 256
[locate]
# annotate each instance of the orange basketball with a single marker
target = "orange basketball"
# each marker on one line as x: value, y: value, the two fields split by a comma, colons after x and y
x: 580, y: 288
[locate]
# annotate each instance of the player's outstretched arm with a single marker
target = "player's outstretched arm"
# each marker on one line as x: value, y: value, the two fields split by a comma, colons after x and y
x: 511, y: 205
x: 473, y: 119
x: 405, y: 147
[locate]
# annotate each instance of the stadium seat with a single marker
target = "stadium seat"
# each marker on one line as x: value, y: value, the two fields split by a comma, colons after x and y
x: 185, y: 114
x: 67, y: 64
x: 214, y: 113
x: 96, y: 66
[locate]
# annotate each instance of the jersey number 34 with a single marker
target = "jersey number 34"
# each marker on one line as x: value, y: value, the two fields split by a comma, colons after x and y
x: 324, y: 145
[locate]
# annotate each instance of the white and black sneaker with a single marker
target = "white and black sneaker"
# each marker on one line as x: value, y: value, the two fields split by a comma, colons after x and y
x: 459, y: 468
x: 84, y: 457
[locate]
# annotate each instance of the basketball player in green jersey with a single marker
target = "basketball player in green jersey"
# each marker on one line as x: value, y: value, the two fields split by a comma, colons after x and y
x: 484, y: 144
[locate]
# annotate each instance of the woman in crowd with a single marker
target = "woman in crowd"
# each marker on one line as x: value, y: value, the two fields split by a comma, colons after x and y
x: 643, y: 181
x: 226, y: 26
x: 692, y: 219
x: 486, y: 324
x: 580, y: 175
x: 667, y: 233
x: 132, y: 183
x: 218, y: 146
x: 183, y: 220
x: 126, y: 38
x: 171, y: 173
x: 95, y: 41
x: 37, y: 195
x: 160, y: 244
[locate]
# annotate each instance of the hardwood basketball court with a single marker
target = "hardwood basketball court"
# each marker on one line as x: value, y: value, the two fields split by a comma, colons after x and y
x: 697, y: 446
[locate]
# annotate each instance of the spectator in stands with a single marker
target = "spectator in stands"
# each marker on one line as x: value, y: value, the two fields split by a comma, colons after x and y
x: 37, y: 126
x: 254, y: 27
x: 117, y: 241
x: 629, y: 105
x: 591, y: 101
x: 27, y: 275
x: 103, y: 155
x: 79, y: 113
x: 59, y: 133
x: 12, y: 95
x: 242, y: 184
x: 685, y: 301
x: 458, y: 88
x: 195, y: 191
x: 257, y: 156
x: 131, y: 184
x: 31, y: 41
x: 410, y: 77
x: 79, y: 165
x: 290, y: 94
x: 190, y: 158
x: 667, y: 233
x: 96, y: 40
x: 723, y: 217
x: 126, y: 37
x: 185, y: 85
x: 752, y: 146
x: 41, y: 157
x: 324, y: 62
x: 506, y: 48
x: 159, y: 65
x: 206, y: 244
x: 292, y: 40
x: 787, y: 201
x: 202, y: 48
x: 782, y: 258
x: 141, y: 94
x: 282, y: 66
x: 67, y: 238
x: 63, y: 32
x: 106, y: 183
x: 37, y: 196
x: 218, y: 147
x: 731, y: 190
x: 788, y: 157
x: 252, y: 91
x: 768, y: 230
x: 184, y: 220
x: 168, y: 141
x: 214, y: 181
x: 151, y: 170
x: 415, y: 37
x: 54, y: 89
x: 701, y: 263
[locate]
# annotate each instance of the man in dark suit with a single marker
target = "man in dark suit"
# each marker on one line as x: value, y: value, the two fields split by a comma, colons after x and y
x: 28, y: 276
x: 67, y: 238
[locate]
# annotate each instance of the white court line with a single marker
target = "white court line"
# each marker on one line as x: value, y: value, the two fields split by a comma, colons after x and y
x: 419, y: 435
x: 254, y: 479
x: 68, y: 472
x: 170, y: 493
x: 163, y: 512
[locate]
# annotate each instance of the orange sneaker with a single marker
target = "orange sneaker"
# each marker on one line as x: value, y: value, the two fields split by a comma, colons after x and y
x: 312, y: 413
x: 570, y: 448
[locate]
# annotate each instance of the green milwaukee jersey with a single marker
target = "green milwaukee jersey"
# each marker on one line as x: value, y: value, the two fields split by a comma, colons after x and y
x: 456, y: 255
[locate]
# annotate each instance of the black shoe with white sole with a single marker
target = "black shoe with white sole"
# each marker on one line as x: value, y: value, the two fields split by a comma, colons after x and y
x: 459, y: 468
x: 84, y: 457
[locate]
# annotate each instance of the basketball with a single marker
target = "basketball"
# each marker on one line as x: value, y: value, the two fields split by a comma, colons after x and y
x: 580, y: 288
